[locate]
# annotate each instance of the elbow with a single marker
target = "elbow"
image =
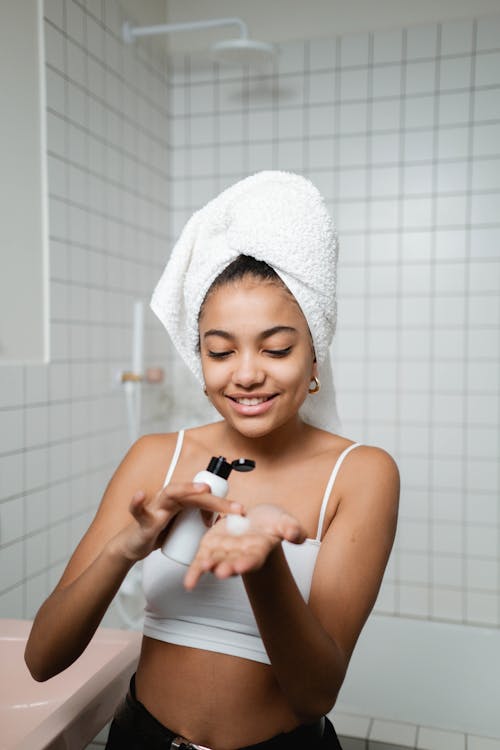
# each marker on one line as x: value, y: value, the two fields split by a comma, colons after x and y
x: 322, y: 705
x: 36, y: 670
x: 321, y: 698
x: 38, y: 674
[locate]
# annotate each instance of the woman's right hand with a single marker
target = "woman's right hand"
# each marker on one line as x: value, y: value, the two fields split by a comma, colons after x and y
x: 152, y: 516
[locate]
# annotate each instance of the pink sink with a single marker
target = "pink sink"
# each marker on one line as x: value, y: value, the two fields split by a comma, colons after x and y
x: 67, y: 711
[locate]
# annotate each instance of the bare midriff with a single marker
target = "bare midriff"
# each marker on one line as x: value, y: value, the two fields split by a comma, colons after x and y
x: 220, y: 701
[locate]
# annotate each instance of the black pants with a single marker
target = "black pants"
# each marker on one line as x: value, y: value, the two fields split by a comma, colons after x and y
x: 134, y: 728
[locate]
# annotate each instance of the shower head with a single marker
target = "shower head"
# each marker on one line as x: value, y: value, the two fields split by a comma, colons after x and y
x: 243, y: 51
x: 240, y: 51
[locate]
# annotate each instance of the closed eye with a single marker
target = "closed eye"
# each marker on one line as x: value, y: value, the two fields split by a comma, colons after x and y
x: 218, y: 355
x: 271, y: 352
x: 278, y: 352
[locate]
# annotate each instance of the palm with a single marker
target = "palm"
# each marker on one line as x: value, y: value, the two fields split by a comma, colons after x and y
x: 225, y: 554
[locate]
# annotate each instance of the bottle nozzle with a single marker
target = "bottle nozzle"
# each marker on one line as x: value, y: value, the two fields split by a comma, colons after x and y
x: 222, y: 468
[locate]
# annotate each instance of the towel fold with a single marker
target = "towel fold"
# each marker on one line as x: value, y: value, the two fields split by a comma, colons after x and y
x: 276, y: 217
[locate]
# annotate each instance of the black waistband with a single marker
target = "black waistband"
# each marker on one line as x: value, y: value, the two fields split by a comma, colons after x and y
x: 132, y: 716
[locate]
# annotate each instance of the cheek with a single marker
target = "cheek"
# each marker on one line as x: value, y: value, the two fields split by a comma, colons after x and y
x: 214, y: 373
x: 296, y: 375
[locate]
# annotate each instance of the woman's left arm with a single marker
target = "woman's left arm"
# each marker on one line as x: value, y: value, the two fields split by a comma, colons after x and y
x: 310, y: 644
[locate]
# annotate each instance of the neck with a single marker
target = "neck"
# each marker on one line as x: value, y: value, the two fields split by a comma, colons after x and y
x: 282, y: 441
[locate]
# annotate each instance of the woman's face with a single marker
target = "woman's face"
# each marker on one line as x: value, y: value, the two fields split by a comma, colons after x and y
x: 256, y: 354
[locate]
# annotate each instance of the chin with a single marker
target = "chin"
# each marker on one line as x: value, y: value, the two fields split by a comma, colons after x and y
x: 247, y: 427
x: 256, y: 428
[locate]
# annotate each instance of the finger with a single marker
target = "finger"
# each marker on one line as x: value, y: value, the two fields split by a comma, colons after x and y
x: 191, y: 578
x: 239, y: 563
x: 224, y: 569
x: 177, y: 490
x: 245, y: 563
x: 136, y: 506
x: 292, y: 532
x: 146, y: 516
x: 198, y: 495
x: 203, y: 562
x: 173, y: 495
x: 194, y: 573
x: 287, y: 527
x: 207, y: 501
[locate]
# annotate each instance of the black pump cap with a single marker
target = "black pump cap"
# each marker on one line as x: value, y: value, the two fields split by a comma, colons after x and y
x: 243, y: 464
x: 219, y: 466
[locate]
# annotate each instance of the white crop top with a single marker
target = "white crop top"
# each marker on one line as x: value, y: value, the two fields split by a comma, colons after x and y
x: 217, y: 615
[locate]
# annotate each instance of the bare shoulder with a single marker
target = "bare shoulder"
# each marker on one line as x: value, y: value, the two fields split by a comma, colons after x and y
x: 150, y: 456
x: 154, y: 442
x: 153, y: 445
x: 364, y: 468
x: 374, y: 461
x: 369, y: 476
x: 148, y: 459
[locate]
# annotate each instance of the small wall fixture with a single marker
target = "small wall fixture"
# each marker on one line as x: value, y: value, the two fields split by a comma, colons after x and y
x: 239, y: 51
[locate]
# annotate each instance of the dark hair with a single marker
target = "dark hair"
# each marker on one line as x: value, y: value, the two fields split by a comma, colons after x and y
x: 239, y: 268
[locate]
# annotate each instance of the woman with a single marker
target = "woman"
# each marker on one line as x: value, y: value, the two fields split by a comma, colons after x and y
x: 247, y: 646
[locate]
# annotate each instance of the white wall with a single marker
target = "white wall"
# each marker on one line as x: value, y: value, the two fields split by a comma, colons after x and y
x: 400, y: 130
x: 63, y: 425
x: 23, y: 195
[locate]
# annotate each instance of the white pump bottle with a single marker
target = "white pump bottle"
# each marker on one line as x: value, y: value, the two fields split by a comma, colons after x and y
x: 188, y: 528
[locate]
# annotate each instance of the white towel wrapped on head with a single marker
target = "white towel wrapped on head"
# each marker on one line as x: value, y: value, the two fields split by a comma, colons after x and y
x: 276, y: 217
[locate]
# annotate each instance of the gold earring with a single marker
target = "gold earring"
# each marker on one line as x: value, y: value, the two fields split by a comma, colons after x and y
x: 316, y: 386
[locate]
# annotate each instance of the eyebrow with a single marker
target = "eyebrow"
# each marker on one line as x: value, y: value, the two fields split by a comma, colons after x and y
x: 264, y: 335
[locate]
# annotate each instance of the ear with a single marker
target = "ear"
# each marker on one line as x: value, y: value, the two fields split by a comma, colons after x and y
x: 314, y: 371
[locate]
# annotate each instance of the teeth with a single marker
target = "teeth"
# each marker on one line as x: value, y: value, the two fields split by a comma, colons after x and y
x: 251, y: 401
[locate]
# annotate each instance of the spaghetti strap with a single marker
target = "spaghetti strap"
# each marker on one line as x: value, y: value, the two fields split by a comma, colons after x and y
x: 175, y: 457
x: 329, y: 487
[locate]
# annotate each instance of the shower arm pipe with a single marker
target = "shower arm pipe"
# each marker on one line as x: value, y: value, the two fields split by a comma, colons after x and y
x: 130, y: 32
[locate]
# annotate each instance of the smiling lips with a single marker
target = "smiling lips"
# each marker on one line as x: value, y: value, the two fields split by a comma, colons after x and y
x: 251, y: 405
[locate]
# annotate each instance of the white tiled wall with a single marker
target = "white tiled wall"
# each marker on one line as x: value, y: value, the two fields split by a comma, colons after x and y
x: 63, y: 425
x: 400, y: 130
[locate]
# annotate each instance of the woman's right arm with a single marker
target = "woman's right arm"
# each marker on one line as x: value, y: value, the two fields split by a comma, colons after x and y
x: 121, y: 533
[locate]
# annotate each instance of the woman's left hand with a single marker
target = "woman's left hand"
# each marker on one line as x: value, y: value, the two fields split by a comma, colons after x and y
x: 227, y: 551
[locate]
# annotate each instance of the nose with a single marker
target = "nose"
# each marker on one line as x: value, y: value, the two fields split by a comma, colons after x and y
x: 248, y: 371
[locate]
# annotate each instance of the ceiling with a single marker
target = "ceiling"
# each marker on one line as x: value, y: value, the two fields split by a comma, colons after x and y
x: 285, y: 20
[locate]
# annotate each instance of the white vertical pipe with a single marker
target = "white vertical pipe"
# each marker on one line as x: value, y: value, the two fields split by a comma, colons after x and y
x: 133, y: 388
x: 130, y: 393
x: 138, y: 338
x: 130, y: 589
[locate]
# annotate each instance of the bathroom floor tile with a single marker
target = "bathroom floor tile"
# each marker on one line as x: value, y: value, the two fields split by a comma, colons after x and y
x: 482, y: 743
x: 350, y: 725
x: 438, y: 739
x: 392, y: 733
x: 353, y: 743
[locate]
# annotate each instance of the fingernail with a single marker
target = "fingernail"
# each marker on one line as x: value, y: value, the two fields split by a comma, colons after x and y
x: 199, y: 485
